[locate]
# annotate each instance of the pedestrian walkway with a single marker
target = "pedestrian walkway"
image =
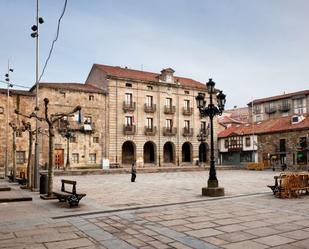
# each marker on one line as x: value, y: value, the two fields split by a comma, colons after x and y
x: 247, y: 217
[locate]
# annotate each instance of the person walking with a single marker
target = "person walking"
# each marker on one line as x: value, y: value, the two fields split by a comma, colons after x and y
x: 133, y: 172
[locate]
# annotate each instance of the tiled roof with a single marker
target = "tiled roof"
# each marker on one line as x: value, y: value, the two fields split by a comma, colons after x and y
x: 267, y: 126
x: 16, y: 92
x: 278, y: 97
x: 141, y: 75
x: 71, y: 86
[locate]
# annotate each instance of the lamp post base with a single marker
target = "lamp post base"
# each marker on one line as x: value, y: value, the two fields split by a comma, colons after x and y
x: 213, y: 192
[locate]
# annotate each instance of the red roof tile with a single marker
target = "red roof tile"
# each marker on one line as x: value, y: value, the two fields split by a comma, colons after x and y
x: 141, y: 75
x: 278, y: 97
x: 267, y: 126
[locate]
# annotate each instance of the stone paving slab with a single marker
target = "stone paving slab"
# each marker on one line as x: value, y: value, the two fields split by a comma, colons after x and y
x: 248, y: 221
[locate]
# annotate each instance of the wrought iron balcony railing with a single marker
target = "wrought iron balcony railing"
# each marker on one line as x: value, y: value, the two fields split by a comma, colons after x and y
x: 169, y: 131
x: 150, y: 108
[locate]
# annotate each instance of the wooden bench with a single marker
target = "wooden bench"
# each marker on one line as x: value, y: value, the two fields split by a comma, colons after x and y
x: 22, y: 180
x: 288, y: 185
x: 255, y: 166
x: 72, y: 196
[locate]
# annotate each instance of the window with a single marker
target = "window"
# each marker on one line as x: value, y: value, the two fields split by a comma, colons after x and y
x: 168, y: 102
x: 187, y: 92
x: 128, y: 98
x: 149, y: 87
x: 91, y: 97
x: 87, y: 120
x: 73, y: 138
x: 299, y: 105
x: 149, y: 101
x: 303, y: 143
x: 187, y: 124
x: 1, y: 110
x: 128, y: 120
x: 226, y: 143
x: 149, y: 123
x: 78, y: 117
x: 92, y: 158
x: 203, y: 125
x: 19, y: 134
x: 282, y: 145
x: 20, y: 157
x: 75, y: 157
x: 128, y: 85
x: 258, y: 118
x: 62, y: 93
x: 248, y: 141
x: 96, y: 140
x: 168, y: 123
x: 257, y: 109
x: 186, y: 104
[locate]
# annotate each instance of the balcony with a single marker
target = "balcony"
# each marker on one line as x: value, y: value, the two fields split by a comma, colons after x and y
x: 129, y: 129
x: 128, y: 106
x: 169, y: 109
x: 150, y: 108
x: 168, y: 131
x: 284, y: 108
x: 270, y: 109
x: 204, y: 131
x: 150, y: 131
x: 187, y: 111
x: 187, y: 132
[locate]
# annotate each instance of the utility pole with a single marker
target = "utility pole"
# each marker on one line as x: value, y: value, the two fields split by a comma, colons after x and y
x: 35, y: 34
x: 7, y: 79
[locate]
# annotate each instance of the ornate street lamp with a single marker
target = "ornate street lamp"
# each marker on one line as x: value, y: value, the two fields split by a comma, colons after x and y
x: 211, y: 111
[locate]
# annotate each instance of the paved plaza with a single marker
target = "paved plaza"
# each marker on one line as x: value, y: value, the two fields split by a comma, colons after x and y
x: 159, y: 210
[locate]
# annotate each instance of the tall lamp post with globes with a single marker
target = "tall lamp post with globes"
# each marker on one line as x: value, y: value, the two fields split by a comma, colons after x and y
x: 211, y: 110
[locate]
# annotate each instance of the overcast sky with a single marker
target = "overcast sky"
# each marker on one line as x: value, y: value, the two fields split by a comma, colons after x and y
x: 251, y: 49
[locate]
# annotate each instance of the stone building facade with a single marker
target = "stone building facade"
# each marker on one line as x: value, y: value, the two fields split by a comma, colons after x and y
x: 15, y: 100
x: 284, y: 105
x: 86, y: 146
x: 152, y: 118
x: 126, y: 115
x: 274, y: 142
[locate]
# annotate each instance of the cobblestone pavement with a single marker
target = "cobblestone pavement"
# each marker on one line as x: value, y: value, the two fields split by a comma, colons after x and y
x: 254, y: 220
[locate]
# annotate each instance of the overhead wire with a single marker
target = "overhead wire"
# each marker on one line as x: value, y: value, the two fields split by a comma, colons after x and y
x: 54, y: 41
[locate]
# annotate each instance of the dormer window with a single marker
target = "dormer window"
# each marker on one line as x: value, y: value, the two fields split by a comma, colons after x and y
x: 167, y: 75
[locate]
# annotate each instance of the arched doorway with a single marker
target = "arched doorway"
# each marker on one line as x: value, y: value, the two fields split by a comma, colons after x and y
x: 186, y: 152
x: 203, y: 152
x: 168, y: 152
x: 128, y: 152
x: 149, y: 152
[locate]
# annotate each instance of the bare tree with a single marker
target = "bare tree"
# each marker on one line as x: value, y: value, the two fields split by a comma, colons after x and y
x: 51, y: 120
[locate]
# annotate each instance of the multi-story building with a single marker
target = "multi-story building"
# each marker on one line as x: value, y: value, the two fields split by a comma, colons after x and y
x: 279, y: 106
x: 152, y: 118
x: 87, y: 128
x: 126, y: 115
x: 9, y: 102
x: 279, y: 141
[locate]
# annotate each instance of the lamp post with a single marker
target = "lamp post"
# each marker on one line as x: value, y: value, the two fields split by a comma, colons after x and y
x: 7, y: 81
x: 35, y: 34
x: 211, y: 111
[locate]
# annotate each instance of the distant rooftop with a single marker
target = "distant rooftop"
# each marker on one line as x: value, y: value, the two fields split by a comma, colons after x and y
x: 278, y: 97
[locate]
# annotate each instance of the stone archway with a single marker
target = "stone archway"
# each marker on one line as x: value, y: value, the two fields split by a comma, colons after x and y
x: 186, y: 152
x: 169, y: 152
x: 203, y: 153
x: 128, y: 152
x: 149, y: 152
